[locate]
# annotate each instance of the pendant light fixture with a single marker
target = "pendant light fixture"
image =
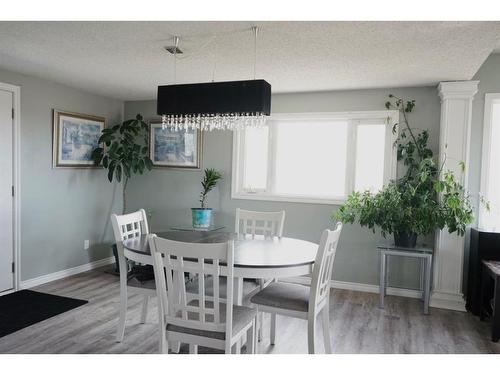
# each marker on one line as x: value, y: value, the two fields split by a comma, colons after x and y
x: 214, y: 105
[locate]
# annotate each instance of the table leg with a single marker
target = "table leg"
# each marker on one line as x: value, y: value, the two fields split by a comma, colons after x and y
x: 422, y: 277
x: 386, y: 283
x: 382, y: 278
x: 495, y: 330
x: 482, y: 295
x: 238, y: 291
x: 427, y: 291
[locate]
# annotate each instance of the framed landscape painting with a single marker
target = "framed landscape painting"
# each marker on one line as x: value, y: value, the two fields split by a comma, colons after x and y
x: 175, y: 149
x: 75, y: 136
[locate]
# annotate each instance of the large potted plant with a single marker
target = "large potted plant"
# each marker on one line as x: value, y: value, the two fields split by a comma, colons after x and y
x: 126, y: 152
x: 202, y: 217
x: 425, y: 199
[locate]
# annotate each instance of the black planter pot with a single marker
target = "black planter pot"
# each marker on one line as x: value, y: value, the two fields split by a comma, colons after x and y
x: 405, y: 239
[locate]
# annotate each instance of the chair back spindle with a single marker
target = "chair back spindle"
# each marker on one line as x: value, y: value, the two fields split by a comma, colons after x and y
x: 323, y: 266
x: 268, y: 224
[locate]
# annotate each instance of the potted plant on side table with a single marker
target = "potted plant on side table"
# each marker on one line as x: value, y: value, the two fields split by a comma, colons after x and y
x: 425, y: 199
x: 202, y: 217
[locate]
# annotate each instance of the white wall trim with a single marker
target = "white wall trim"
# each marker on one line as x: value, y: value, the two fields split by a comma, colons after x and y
x: 438, y: 300
x: 449, y: 301
x: 16, y: 91
x: 457, y: 89
x: 359, y: 287
x: 26, y: 284
x: 454, y: 143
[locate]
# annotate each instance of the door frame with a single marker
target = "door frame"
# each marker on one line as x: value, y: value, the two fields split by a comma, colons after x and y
x: 16, y: 180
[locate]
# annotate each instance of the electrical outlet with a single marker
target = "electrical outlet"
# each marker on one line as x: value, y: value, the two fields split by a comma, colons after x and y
x: 86, y: 244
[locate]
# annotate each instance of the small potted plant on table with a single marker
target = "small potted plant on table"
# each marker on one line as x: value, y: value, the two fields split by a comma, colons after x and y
x: 202, y: 217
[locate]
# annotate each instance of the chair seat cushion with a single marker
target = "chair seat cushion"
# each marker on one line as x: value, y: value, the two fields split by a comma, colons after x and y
x: 241, y: 317
x: 148, y: 284
x: 192, y: 286
x: 286, y: 296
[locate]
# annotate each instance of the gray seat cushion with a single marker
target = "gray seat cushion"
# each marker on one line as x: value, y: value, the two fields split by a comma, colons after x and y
x: 241, y: 317
x: 284, y: 296
x: 192, y: 286
x: 148, y: 284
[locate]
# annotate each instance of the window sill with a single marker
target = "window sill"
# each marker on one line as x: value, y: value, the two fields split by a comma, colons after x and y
x: 292, y: 199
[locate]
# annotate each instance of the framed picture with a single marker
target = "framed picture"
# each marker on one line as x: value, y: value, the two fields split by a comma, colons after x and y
x: 175, y: 149
x: 75, y: 136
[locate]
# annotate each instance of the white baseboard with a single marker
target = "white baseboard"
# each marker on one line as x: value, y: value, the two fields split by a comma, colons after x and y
x: 359, y: 287
x: 449, y: 301
x: 26, y: 284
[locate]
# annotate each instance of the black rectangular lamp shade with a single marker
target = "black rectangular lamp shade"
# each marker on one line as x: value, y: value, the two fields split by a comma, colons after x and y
x: 252, y: 96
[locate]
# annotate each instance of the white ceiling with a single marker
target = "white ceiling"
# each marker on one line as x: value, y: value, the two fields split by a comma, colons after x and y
x: 126, y: 60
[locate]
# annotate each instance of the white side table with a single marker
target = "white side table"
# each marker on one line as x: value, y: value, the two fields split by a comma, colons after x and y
x: 423, y: 253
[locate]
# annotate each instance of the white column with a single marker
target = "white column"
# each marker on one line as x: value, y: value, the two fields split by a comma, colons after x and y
x: 454, y: 142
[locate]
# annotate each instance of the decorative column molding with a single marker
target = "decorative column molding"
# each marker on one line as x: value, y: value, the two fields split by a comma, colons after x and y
x: 454, y: 139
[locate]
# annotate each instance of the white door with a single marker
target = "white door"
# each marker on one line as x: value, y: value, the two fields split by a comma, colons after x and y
x: 6, y: 198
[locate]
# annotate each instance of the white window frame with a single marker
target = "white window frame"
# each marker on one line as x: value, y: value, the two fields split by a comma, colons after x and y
x: 390, y: 117
x: 489, y: 99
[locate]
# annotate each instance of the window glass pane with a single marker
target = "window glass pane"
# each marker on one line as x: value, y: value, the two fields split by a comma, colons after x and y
x: 491, y: 220
x: 311, y: 157
x: 370, y: 150
x: 255, y: 158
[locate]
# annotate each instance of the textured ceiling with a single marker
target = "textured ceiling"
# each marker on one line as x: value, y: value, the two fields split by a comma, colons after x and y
x: 126, y: 60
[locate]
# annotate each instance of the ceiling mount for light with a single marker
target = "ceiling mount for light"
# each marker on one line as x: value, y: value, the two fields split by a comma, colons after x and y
x: 215, y: 105
x: 174, y: 49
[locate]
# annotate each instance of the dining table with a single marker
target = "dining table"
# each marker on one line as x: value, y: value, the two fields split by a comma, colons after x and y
x: 255, y: 256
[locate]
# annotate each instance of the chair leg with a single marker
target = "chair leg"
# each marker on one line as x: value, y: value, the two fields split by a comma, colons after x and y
x: 251, y: 338
x: 144, y: 311
x: 162, y: 330
x: 311, y: 328
x: 228, y: 347
x: 237, y: 347
x: 273, y: 329
x: 326, y: 329
x: 176, y: 347
x: 122, y: 316
x: 163, y: 344
x: 193, y: 349
x: 260, y: 323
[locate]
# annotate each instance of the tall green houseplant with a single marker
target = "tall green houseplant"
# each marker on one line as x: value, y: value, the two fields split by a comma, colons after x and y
x: 425, y: 199
x: 126, y: 152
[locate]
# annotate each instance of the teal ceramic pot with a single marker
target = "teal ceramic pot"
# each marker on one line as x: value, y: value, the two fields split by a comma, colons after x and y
x: 202, y: 217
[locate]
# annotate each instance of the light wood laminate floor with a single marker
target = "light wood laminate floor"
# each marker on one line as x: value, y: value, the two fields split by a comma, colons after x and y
x: 357, y: 325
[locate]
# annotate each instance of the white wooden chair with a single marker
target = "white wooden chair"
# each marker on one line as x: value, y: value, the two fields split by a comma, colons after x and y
x: 269, y: 224
x: 200, y: 320
x: 124, y: 227
x: 300, y: 301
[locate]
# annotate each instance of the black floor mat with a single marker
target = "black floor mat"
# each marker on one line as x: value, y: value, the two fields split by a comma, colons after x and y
x: 26, y: 307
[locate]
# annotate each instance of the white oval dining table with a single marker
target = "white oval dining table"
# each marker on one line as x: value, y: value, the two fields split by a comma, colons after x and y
x: 254, y: 257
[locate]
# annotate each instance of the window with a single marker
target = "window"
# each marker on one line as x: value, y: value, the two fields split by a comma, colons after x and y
x: 490, y: 173
x: 314, y: 157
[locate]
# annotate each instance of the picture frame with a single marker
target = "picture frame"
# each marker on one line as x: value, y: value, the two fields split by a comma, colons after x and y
x: 172, y: 149
x: 75, y: 136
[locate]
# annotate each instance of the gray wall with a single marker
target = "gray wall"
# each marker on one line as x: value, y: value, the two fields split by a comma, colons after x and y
x: 489, y: 82
x: 60, y: 208
x: 170, y: 193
